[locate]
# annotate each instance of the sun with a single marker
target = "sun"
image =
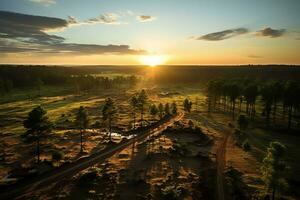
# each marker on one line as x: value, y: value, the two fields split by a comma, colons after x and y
x: 152, y: 60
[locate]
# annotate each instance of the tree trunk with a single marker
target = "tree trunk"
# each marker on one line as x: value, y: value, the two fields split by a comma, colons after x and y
x: 240, y: 106
x: 134, y: 121
x: 273, y: 194
x: 253, y: 112
x: 233, y: 109
x: 274, y: 111
x: 38, y: 149
x: 142, y: 116
x: 268, y: 110
x: 81, y: 143
x: 224, y: 103
x: 290, y: 117
x: 109, y: 127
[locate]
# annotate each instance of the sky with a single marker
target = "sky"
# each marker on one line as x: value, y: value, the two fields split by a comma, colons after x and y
x: 128, y: 31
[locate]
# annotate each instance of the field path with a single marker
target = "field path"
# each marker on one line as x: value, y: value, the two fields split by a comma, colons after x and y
x: 24, y: 189
x: 221, y: 164
x: 220, y: 153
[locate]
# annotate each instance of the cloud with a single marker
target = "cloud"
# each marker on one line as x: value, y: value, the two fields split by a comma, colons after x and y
x: 44, y: 2
x: 72, y: 20
x: 222, y: 35
x: 29, y: 33
x: 145, y: 18
x: 272, y: 33
x: 108, y: 18
x: 29, y: 27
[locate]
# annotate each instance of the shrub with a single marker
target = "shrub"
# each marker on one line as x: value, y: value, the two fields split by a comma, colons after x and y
x: 246, y: 145
x: 243, y: 122
x: 88, y: 178
x: 237, y: 133
x: 170, y: 193
x: 57, y: 155
x: 191, y: 123
x: 97, y: 124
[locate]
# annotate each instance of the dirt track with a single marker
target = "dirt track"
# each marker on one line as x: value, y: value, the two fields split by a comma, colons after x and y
x: 24, y: 190
x: 220, y: 153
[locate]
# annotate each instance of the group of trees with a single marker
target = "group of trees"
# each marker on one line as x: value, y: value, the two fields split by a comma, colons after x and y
x: 6, y: 86
x: 202, y: 74
x: 39, y: 126
x: 187, y: 105
x: 163, y: 110
x: 225, y: 95
x: 274, y: 168
x: 89, y: 82
x: 35, y: 76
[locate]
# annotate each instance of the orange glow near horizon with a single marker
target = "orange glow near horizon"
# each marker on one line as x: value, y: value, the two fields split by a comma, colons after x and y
x: 153, y: 60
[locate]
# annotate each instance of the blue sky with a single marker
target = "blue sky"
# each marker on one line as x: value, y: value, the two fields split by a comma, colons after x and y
x: 174, y: 21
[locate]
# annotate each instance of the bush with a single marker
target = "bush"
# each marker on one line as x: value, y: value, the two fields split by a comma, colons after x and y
x: 243, y: 122
x: 170, y: 193
x: 246, y: 145
x: 97, y: 124
x: 230, y: 125
x: 238, y: 134
x: 191, y: 123
x: 57, y: 155
x: 88, y: 178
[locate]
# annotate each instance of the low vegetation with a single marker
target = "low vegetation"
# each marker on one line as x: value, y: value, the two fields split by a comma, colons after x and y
x: 63, y: 116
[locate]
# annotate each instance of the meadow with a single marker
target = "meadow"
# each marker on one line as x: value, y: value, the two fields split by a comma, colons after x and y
x: 182, y: 161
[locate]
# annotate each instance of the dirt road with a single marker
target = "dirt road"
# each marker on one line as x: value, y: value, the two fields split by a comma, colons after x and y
x: 24, y: 189
x: 220, y: 153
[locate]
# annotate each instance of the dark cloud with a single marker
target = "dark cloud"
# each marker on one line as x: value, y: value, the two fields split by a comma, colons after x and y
x: 145, y: 18
x: 269, y: 32
x: 222, y: 35
x: 29, y: 33
x: 29, y: 27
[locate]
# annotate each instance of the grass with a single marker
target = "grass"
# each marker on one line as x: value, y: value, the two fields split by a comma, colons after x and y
x: 58, y: 101
x: 260, y: 140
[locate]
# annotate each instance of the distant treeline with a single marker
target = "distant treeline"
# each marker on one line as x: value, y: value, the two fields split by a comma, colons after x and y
x: 196, y: 74
x: 80, y: 77
x: 276, y: 96
x: 33, y: 76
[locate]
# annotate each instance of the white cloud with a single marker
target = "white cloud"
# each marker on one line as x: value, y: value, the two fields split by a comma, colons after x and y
x: 44, y: 2
x: 107, y: 18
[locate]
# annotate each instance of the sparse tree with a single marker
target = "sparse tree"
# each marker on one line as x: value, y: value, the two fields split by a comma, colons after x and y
x: 37, y: 124
x: 160, y: 110
x: 234, y: 92
x: 291, y: 99
x: 108, y: 113
x: 242, y: 122
x: 39, y: 84
x: 167, y: 109
x: 134, y: 104
x: 173, y: 108
x: 250, y: 93
x: 82, y: 123
x: 142, y: 101
x: 153, y: 110
x: 274, y: 168
x: 267, y: 97
x: 187, y: 105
